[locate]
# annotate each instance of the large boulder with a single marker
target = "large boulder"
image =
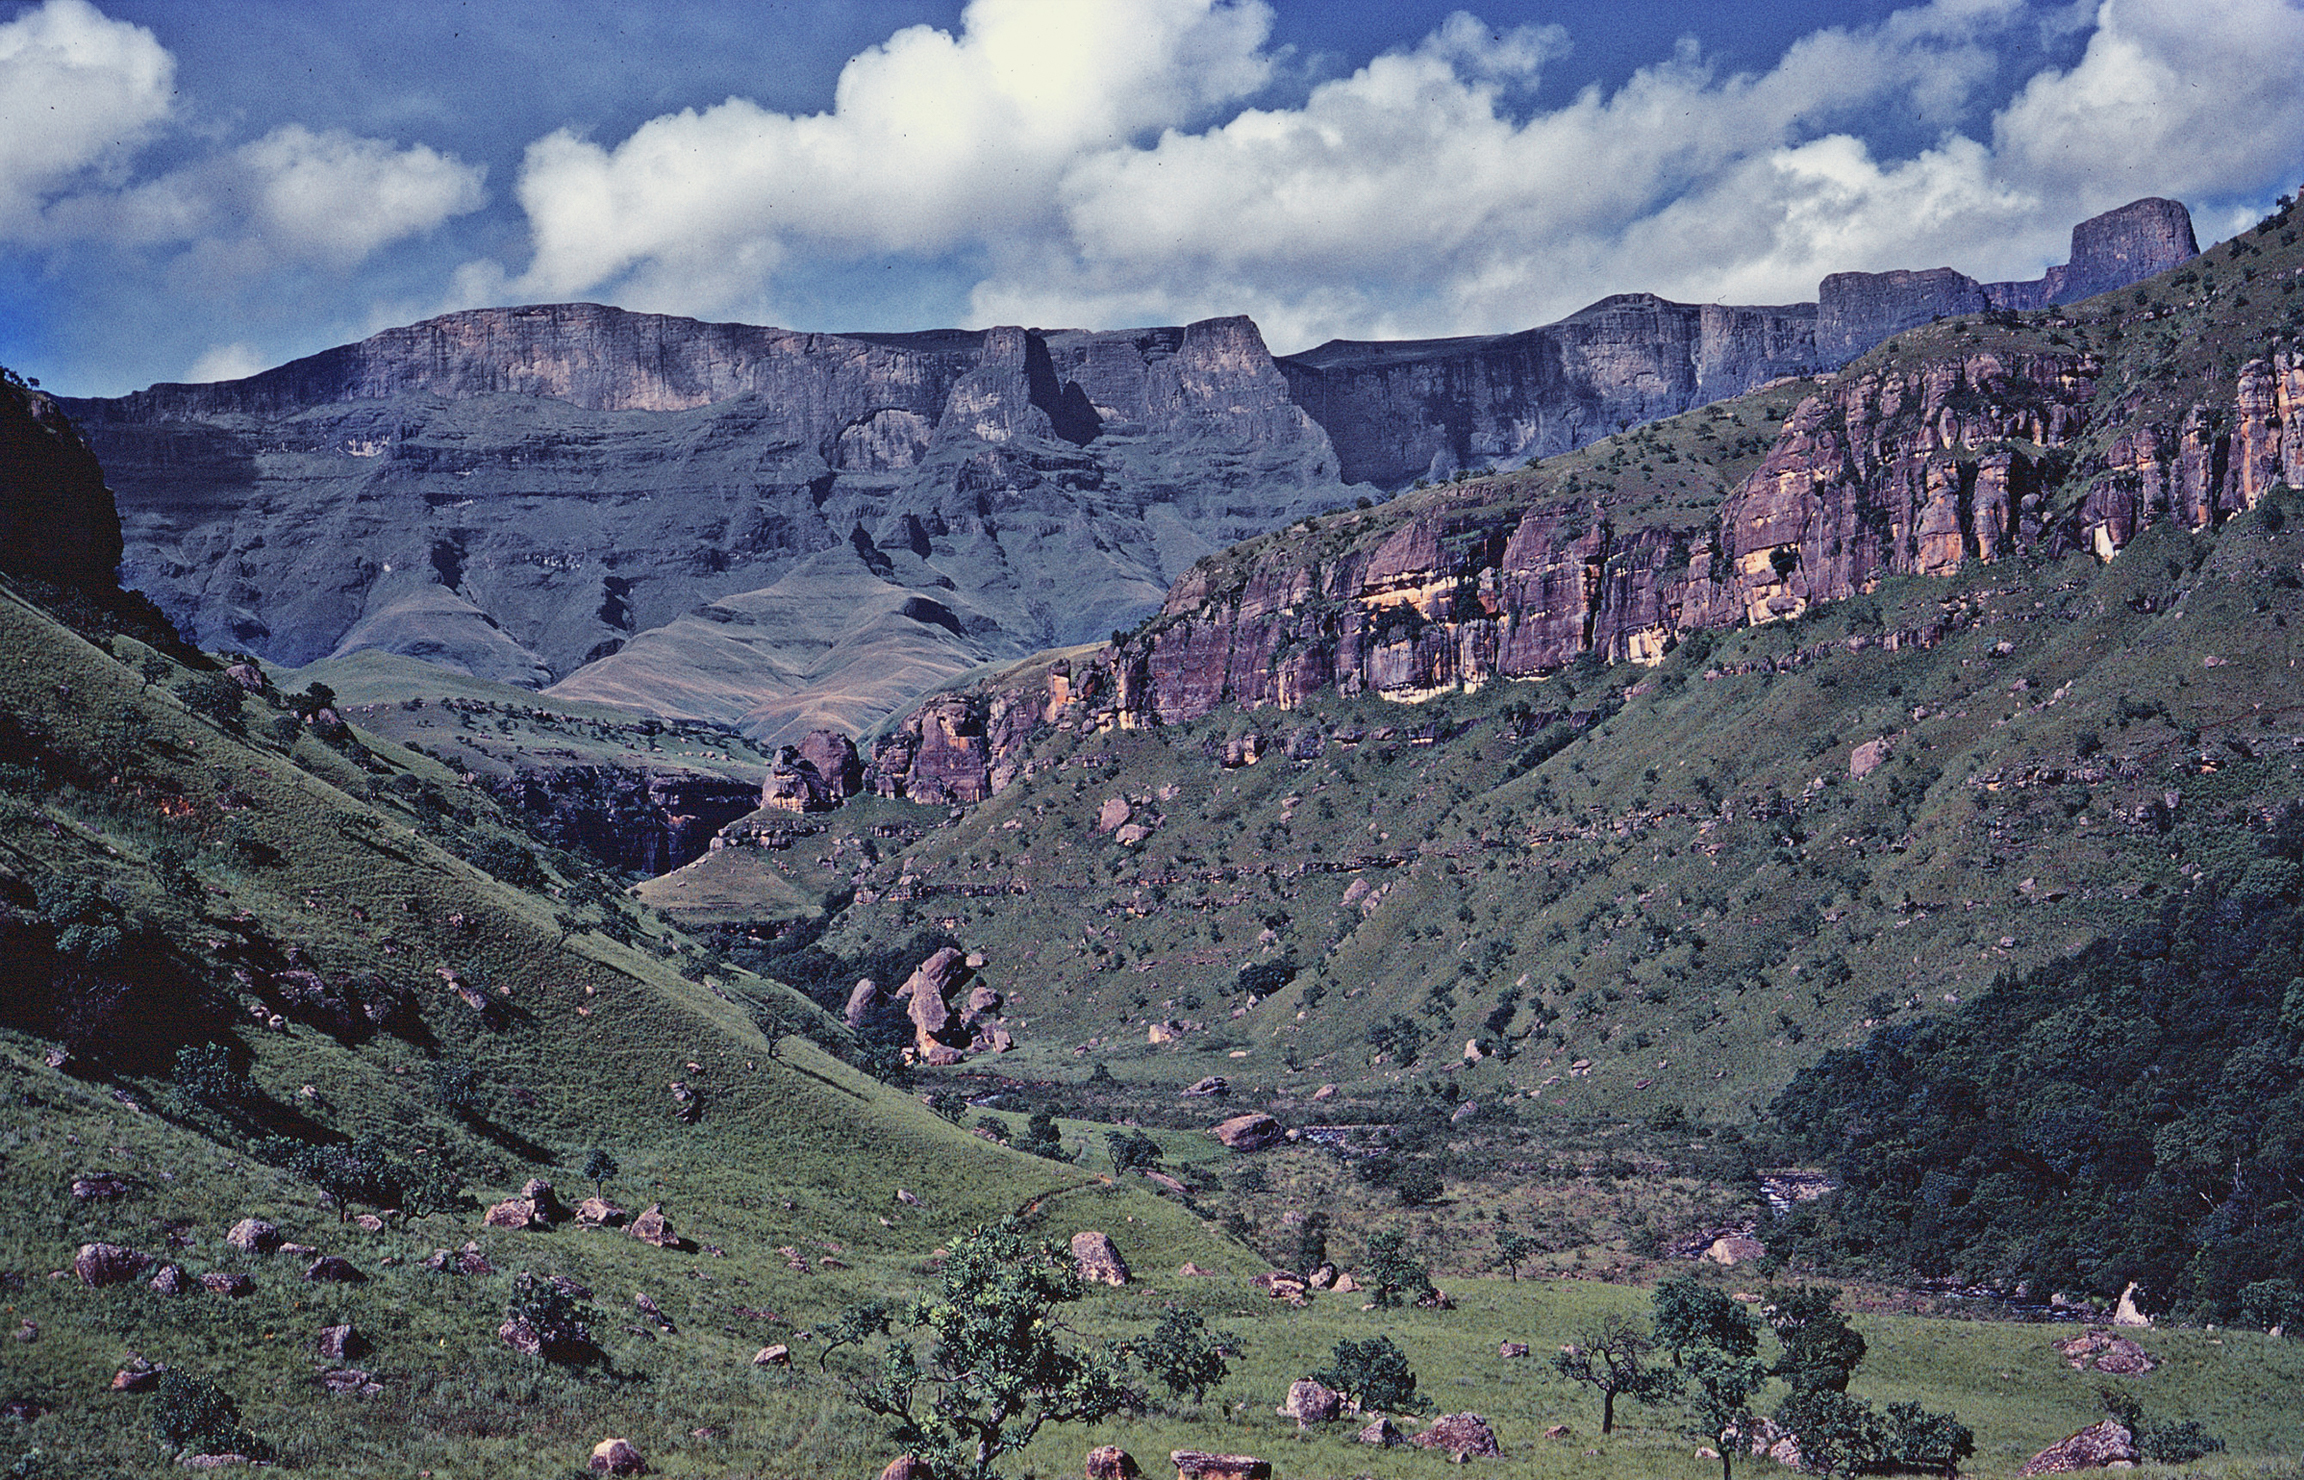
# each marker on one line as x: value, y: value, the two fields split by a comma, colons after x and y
x: 254, y: 1236
x: 2099, y: 1350
x: 2095, y: 1447
x: 515, y: 1213
x: 1311, y: 1402
x: 1214, y: 1084
x: 907, y: 1467
x: 333, y: 1269
x: 1463, y: 1435
x: 1098, y: 1259
x: 1110, y: 1462
x: 1735, y: 1248
x: 1196, y: 1464
x: 864, y: 1003
x: 598, y: 1212
x: 1381, y: 1431
x: 108, y: 1264
x: 617, y: 1457
x: 652, y: 1227
x: 1251, y: 1132
x: 340, y: 1343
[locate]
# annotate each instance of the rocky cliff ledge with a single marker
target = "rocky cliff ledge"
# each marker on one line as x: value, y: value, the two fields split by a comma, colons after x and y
x: 1857, y: 310
x: 1896, y: 468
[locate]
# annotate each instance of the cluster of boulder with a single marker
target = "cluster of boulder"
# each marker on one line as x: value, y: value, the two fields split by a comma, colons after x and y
x: 1462, y: 1435
x: 952, y: 1011
x: 816, y: 775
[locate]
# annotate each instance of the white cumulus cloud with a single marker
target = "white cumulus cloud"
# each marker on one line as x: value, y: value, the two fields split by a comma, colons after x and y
x: 79, y: 92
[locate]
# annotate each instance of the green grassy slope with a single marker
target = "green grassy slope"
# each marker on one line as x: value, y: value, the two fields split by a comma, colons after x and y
x: 218, y: 853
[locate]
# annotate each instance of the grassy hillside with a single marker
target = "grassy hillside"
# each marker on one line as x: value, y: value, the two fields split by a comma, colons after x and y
x: 213, y: 863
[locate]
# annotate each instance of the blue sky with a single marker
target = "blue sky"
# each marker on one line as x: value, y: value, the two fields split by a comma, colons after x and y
x: 192, y: 189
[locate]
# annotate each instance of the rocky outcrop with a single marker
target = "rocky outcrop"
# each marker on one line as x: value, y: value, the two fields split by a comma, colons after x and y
x: 1311, y: 1402
x: 101, y: 1264
x: 1251, y: 1132
x: 1463, y: 1435
x: 1097, y: 1259
x: 57, y: 519
x: 1401, y: 410
x: 642, y: 821
x: 1857, y: 310
x: 2099, y: 1446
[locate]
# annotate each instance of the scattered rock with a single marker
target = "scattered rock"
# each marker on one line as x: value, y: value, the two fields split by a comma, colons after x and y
x: 1311, y: 1402
x: 1869, y: 757
x: 1250, y: 1132
x: 1214, y: 1084
x: 1381, y: 1431
x: 340, y: 1343
x: 352, y: 1380
x: 1282, y: 1284
x: 1706, y: 1451
x: 1323, y: 1277
x: 1110, y: 1462
x: 213, y: 1461
x: 2094, y: 1448
x: 1463, y: 1435
x: 778, y: 1355
x: 617, y: 1457
x: 2128, y: 1313
x: 906, y: 1467
x: 170, y: 1279
x: 1114, y: 814
x: 652, y: 1227
x: 864, y: 1003
x: 1735, y: 1248
x: 93, y: 1186
x: 108, y: 1264
x: 654, y: 1312
x: 229, y: 1283
x: 24, y: 1410
x: 1098, y: 1259
x: 2099, y: 1350
x: 538, y: 1193
x: 1511, y: 1348
x: 1559, y: 1431
x: 515, y: 1213
x: 907, y: 1198
x: 254, y: 1236
x: 687, y: 1103
x: 598, y: 1212
x: 467, y: 1260
x: 1325, y: 1092
x: 136, y: 1375
x: 29, y: 1331
x: 333, y: 1269
x: 1195, y: 1464
x: 1191, y: 1271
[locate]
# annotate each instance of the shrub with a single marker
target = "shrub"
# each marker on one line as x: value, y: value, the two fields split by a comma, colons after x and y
x: 192, y: 1415
x: 547, y: 1308
x: 1390, y: 1272
x: 1182, y: 1353
x: 1374, y: 1376
x: 213, y: 697
x: 1132, y: 1149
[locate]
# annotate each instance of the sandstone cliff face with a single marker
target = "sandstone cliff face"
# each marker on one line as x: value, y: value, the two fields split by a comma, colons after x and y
x: 57, y: 519
x: 1399, y: 411
x: 1912, y: 469
x: 1857, y: 310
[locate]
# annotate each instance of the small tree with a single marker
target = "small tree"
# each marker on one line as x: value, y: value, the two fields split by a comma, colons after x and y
x: 997, y: 1368
x: 599, y: 1166
x: 1309, y: 1249
x: 1183, y: 1353
x: 1514, y: 1249
x: 1920, y: 1440
x: 1820, y: 1350
x: 1837, y: 1434
x: 548, y: 1311
x: 205, y: 1075
x: 1611, y: 1357
x: 1391, y: 1273
x: 1042, y: 1138
x: 1132, y: 1150
x: 1373, y: 1376
x: 1721, y: 1408
x: 214, y: 698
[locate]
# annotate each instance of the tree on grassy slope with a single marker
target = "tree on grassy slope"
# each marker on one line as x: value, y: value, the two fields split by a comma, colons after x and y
x: 997, y: 1368
x: 1611, y: 1357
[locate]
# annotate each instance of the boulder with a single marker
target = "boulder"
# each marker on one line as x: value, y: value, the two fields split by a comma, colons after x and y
x: 1191, y: 1271
x: 1381, y: 1431
x: 467, y: 1260
x: 864, y: 1003
x: 547, y: 1202
x: 108, y: 1264
x: 598, y: 1212
x: 1512, y: 1348
x: 2129, y: 1313
x: 1110, y: 1462
x: 1282, y: 1284
x: 254, y: 1236
x: 1113, y: 815
x: 1323, y: 1277
x: 1735, y: 1248
x: 1311, y: 1402
x: 1463, y: 1435
x: 1214, y: 1084
x: 2094, y: 1448
x: 778, y: 1355
x: 333, y: 1269
x: 349, y: 1380
x: 340, y: 1343
x: 652, y: 1227
x: 170, y: 1279
x: 687, y: 1102
x: 1195, y: 1464
x: 2099, y: 1350
x: 1251, y: 1132
x: 906, y: 1467
x: 229, y: 1283
x: 1559, y: 1431
x: 214, y: 1461
x: 1869, y: 757
x: 1098, y: 1259
x: 136, y: 1375
x: 616, y: 1457
x: 94, y: 1186
x: 515, y: 1213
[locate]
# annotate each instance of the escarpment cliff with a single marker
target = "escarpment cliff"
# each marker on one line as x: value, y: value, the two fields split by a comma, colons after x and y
x: 1427, y: 408
x: 748, y: 526
x: 1970, y: 451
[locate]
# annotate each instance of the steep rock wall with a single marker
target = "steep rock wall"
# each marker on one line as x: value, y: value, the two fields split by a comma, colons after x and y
x: 57, y: 519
